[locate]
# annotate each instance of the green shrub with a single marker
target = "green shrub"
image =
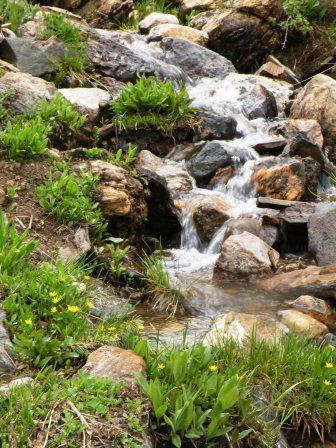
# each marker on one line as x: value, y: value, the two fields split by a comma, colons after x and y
x: 93, y: 153
x: 150, y: 103
x: 301, y: 12
x: 16, y: 12
x: 24, y: 140
x: 75, y: 59
x: 68, y: 197
x: 52, y: 408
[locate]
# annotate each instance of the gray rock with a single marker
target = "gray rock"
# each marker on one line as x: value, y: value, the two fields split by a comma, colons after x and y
x: 195, y: 60
x: 26, y: 56
x: 268, y: 233
x: 6, y: 352
x: 156, y: 18
x: 322, y: 234
x: 214, y: 126
x: 86, y: 100
x: 259, y: 102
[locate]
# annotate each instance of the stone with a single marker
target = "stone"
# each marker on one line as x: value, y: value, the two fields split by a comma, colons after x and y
x: 242, y: 37
x: 6, y: 349
x: 286, y: 180
x: 3, y: 196
x: 213, y: 126
x: 125, y: 56
x: 26, y: 56
x: 115, y: 10
x: 177, y: 178
x: 154, y: 19
x: 304, y: 148
x: 241, y: 326
x: 317, y: 100
x: 299, y: 129
x: 270, y: 145
x: 245, y: 256
x: 319, y: 281
x: 273, y: 68
x: 113, y: 202
x: 308, y: 304
x: 27, y: 91
x: 6, y: 388
x: 75, y: 249
x: 260, y: 8
x: 209, y: 214
x: 222, y: 176
x: 260, y: 103
x: 322, y: 234
x: 255, y: 226
x: 302, y: 324
x: 278, y: 204
x: 188, y: 6
x: 116, y: 364
x: 181, y: 31
x: 86, y: 100
x: 195, y: 60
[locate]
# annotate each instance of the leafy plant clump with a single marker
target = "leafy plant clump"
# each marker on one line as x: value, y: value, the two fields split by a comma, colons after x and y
x: 75, y: 59
x: 301, y: 13
x: 150, y: 103
x: 25, y: 139
x: 68, y: 197
x: 16, y: 12
x: 63, y: 411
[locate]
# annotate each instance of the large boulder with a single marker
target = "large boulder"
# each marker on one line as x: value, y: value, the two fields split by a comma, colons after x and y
x: 26, y: 91
x: 238, y: 35
x: 86, y: 100
x: 156, y: 18
x: 245, y: 256
x: 115, y: 10
x: 241, y: 326
x: 183, y: 32
x: 322, y: 234
x: 195, y: 60
x: 302, y: 323
x: 317, y: 100
x: 267, y: 232
x: 318, y: 281
x: 214, y: 126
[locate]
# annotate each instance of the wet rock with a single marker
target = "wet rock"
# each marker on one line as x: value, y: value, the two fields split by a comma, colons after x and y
x: 116, y: 364
x: 260, y: 103
x: 245, y: 256
x: 195, y: 60
x: 304, y: 148
x: 299, y: 129
x: 273, y: 68
x: 124, y: 56
x: 266, y: 232
x: 214, y: 126
x: 241, y: 37
x: 272, y: 145
x: 285, y: 180
x: 107, y: 300
x: 278, y: 204
x: 322, y: 234
x: 302, y: 324
x: 209, y: 214
x: 179, y: 31
x: 156, y: 18
x: 26, y: 56
x: 177, y: 178
x: 319, y: 281
x: 182, y: 152
x: 115, y: 10
x: 317, y: 100
x: 222, y: 176
x: 241, y: 326
x: 6, y: 349
x: 27, y: 91
x: 86, y: 100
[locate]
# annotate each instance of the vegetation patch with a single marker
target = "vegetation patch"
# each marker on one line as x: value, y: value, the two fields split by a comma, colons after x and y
x: 16, y: 12
x: 150, y: 103
x: 301, y: 13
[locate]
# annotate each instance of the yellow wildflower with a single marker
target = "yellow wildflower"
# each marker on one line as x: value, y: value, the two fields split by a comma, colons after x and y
x: 141, y: 326
x: 329, y: 365
x: 238, y: 377
x: 89, y: 304
x: 213, y: 368
x: 55, y: 299
x: 53, y: 294
x: 28, y: 321
x: 332, y: 347
x: 161, y: 366
x: 86, y: 277
x: 101, y: 328
x: 53, y: 309
x: 73, y: 308
x: 327, y: 382
x: 112, y: 328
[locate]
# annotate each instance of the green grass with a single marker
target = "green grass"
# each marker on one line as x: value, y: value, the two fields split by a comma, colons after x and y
x: 150, y: 103
x: 75, y: 59
x: 16, y: 12
x: 68, y: 197
x: 301, y: 13
x: 61, y: 410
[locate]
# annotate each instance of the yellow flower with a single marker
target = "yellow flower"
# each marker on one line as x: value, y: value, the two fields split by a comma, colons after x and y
x: 90, y: 304
x: 86, y: 277
x: 112, y: 328
x: 101, y: 328
x: 161, y: 366
x: 53, y: 309
x: 213, y: 368
x: 28, y: 321
x: 332, y: 347
x: 327, y: 382
x: 73, y: 308
x: 329, y: 365
x: 55, y: 299
x: 141, y: 326
x: 238, y: 377
x: 53, y: 294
